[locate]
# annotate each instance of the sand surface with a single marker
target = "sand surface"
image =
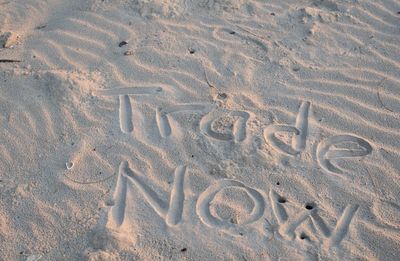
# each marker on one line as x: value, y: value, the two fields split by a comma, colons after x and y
x: 199, y: 130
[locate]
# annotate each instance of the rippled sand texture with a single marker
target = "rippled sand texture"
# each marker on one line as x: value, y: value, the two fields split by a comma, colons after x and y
x: 200, y: 130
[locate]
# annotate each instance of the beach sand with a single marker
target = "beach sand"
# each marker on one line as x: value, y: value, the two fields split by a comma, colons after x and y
x: 199, y: 130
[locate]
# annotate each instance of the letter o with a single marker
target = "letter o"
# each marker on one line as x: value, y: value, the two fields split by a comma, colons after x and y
x: 205, y: 198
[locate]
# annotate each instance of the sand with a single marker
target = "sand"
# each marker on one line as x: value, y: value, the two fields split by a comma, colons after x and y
x: 199, y: 130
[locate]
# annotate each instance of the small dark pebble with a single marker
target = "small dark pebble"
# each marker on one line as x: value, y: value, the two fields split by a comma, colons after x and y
x: 192, y: 156
x: 129, y: 52
x: 398, y: 12
x: 192, y: 51
x: 277, y: 183
x: 40, y: 27
x: 122, y: 43
x: 303, y: 236
x: 273, y: 14
x: 222, y: 95
x: 183, y: 249
x: 282, y: 200
x: 309, y: 206
x: 232, y: 32
x: 109, y: 202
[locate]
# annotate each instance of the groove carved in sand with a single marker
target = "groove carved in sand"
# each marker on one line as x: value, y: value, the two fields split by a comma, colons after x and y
x: 288, y: 225
x: 125, y: 107
x: 172, y: 211
x: 300, y: 131
x: 125, y: 114
x: 239, y: 128
x: 205, y: 199
x: 119, y: 199
x: 326, y: 151
x: 162, y: 115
